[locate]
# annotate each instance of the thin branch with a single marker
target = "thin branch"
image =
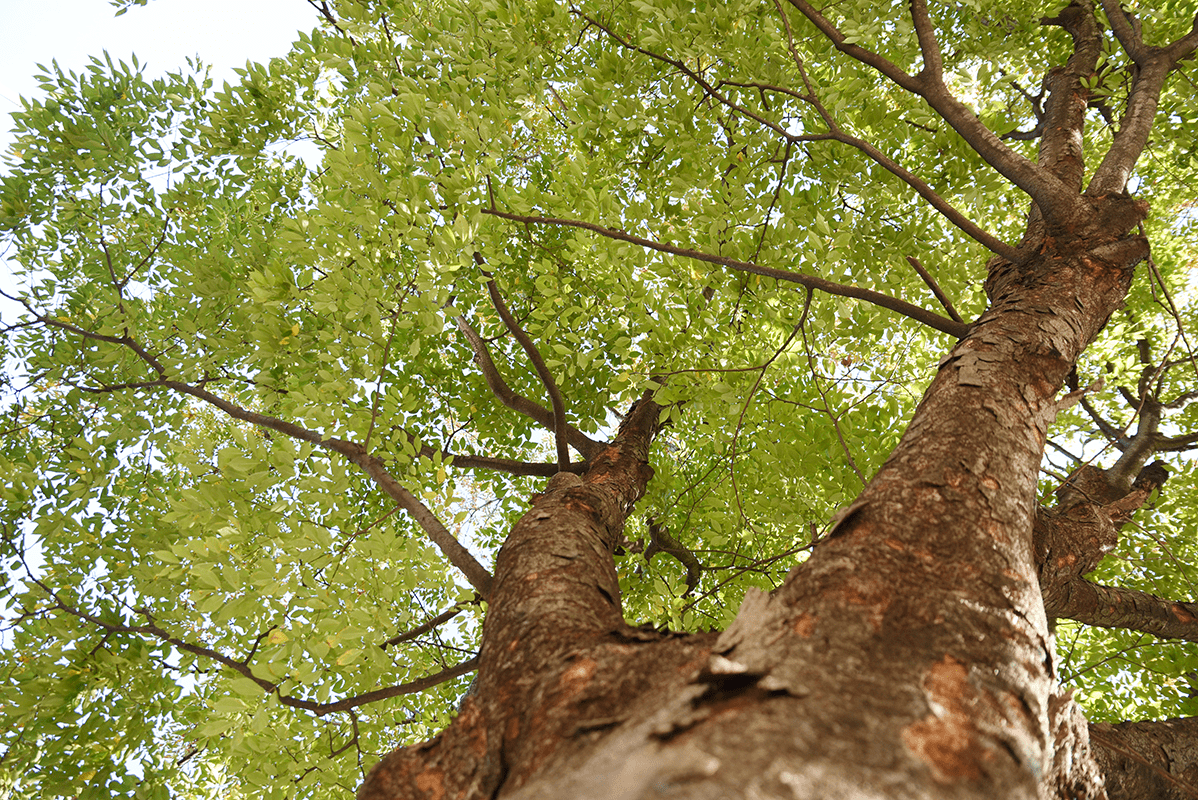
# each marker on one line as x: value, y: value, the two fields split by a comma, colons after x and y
x: 323, y: 9
x: 512, y: 466
x: 450, y: 547
x: 1063, y: 451
x: 425, y: 627
x: 931, y: 319
x: 516, y: 401
x: 835, y: 133
x: 150, y: 628
x: 1117, y: 436
x: 834, y: 418
x: 538, y: 363
x: 925, y: 33
x: 935, y: 287
x: 661, y: 541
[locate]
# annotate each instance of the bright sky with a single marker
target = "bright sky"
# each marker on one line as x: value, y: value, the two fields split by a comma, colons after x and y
x: 223, y: 33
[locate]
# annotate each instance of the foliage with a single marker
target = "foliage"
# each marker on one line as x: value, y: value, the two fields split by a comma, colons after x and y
x: 301, y: 245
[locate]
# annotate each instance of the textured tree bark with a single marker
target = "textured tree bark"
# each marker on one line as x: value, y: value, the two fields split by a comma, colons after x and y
x: 909, y: 657
x: 1157, y: 760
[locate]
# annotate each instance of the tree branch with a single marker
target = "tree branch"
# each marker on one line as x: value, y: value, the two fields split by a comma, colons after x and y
x: 932, y: 320
x: 1155, y: 64
x: 450, y: 547
x: 1148, y: 758
x: 538, y: 363
x: 929, y: 48
x: 1129, y: 609
x: 150, y: 628
x: 1068, y: 97
x: 835, y: 133
x: 1052, y: 195
x: 1117, y: 436
x: 512, y: 466
x: 911, y: 83
x: 935, y: 287
x: 518, y: 402
x: 428, y: 625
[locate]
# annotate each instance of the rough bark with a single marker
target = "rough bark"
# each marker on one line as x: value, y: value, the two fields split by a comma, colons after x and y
x: 1157, y: 760
x: 909, y: 657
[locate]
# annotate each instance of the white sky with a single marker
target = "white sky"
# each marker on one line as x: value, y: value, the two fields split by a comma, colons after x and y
x: 223, y: 33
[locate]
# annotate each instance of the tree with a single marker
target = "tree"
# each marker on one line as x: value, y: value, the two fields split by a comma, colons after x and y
x: 291, y: 362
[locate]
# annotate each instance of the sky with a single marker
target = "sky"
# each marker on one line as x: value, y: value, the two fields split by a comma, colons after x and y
x: 223, y: 33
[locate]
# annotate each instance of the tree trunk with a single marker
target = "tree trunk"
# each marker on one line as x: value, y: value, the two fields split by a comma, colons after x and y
x: 909, y: 657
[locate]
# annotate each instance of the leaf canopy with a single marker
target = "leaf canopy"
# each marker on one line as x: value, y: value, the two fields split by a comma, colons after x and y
x: 188, y: 591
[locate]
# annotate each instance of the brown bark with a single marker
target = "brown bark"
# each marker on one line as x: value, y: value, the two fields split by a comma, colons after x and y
x: 910, y: 656
x: 1141, y: 760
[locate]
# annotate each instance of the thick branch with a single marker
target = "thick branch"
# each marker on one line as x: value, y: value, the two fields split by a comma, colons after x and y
x: 518, y: 402
x: 932, y: 320
x: 1141, y: 447
x: 1155, y: 64
x: 1130, y: 609
x: 1053, y: 196
x: 538, y: 363
x: 1148, y: 759
x: 1172, y: 444
x: 1134, y: 128
x: 1061, y: 150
